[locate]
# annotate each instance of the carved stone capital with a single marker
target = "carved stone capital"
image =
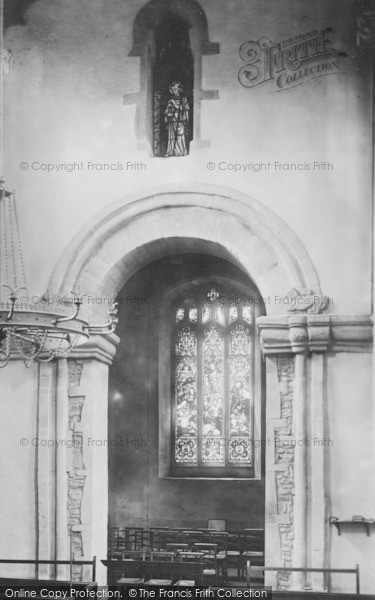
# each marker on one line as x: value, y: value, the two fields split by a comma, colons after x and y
x: 296, y: 334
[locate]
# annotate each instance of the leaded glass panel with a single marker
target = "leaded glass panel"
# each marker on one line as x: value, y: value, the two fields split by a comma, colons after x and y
x: 193, y: 315
x: 240, y: 395
x: 180, y: 312
x: 233, y: 313
x: 186, y: 431
x: 220, y: 317
x: 213, y: 396
x: 246, y: 314
x: 206, y: 313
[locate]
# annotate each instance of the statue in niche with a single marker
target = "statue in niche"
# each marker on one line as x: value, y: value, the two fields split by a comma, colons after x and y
x: 177, y: 118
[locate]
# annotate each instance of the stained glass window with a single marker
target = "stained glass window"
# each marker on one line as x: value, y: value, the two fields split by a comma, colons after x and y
x: 213, y: 383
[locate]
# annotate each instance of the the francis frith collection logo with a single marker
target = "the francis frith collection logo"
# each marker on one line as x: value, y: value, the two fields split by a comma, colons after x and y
x: 288, y: 63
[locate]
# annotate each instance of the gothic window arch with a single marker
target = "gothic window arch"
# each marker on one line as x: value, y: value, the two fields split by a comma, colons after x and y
x: 215, y: 383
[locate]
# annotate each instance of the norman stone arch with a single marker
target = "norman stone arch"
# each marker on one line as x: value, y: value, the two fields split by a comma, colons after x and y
x: 142, y: 227
x: 100, y: 259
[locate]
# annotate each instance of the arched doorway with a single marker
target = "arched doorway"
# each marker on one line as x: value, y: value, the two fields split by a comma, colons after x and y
x: 236, y: 228
x: 190, y: 425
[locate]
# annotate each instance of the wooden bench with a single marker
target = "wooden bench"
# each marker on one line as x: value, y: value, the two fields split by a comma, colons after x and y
x: 133, y: 572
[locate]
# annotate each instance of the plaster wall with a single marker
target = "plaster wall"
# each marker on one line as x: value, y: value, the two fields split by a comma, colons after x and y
x: 69, y: 70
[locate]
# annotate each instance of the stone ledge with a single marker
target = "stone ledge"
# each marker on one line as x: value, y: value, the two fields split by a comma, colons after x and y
x: 296, y: 334
x: 99, y: 347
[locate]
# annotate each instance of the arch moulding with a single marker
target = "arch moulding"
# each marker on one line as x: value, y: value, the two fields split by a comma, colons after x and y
x: 142, y: 227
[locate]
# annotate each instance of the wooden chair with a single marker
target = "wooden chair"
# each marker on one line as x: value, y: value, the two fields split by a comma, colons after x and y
x: 163, y: 556
x: 192, y: 537
x: 168, y: 537
x: 124, y: 539
x: 256, y: 559
x: 117, y: 541
x: 160, y: 572
x: 132, y: 573
x: 252, y: 548
x: 135, y: 554
x: 113, y: 533
x: 176, y: 547
x: 210, y: 572
x: 189, y: 556
x: 190, y: 573
x: 230, y: 557
x: 138, y: 536
x: 154, y: 536
x: 220, y: 538
x: 252, y: 539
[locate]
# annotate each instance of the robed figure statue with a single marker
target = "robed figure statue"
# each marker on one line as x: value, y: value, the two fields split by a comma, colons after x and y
x: 177, y: 118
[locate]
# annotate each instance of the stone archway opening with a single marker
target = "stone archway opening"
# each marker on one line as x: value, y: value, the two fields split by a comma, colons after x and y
x: 141, y: 404
x: 236, y: 228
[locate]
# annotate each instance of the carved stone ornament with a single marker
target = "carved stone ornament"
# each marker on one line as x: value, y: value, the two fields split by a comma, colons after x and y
x: 297, y: 302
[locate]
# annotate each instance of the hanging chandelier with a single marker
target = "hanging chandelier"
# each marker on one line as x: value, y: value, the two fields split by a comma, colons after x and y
x: 31, y: 329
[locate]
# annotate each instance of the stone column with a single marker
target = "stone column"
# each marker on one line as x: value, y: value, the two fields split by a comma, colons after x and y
x: 290, y: 342
x: 62, y: 533
x: 87, y: 493
x: 279, y: 531
x: 318, y: 484
x: 46, y: 460
x: 300, y: 470
x: 301, y: 524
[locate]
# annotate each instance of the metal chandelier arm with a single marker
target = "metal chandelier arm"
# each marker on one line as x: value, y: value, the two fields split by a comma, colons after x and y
x: 33, y: 333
